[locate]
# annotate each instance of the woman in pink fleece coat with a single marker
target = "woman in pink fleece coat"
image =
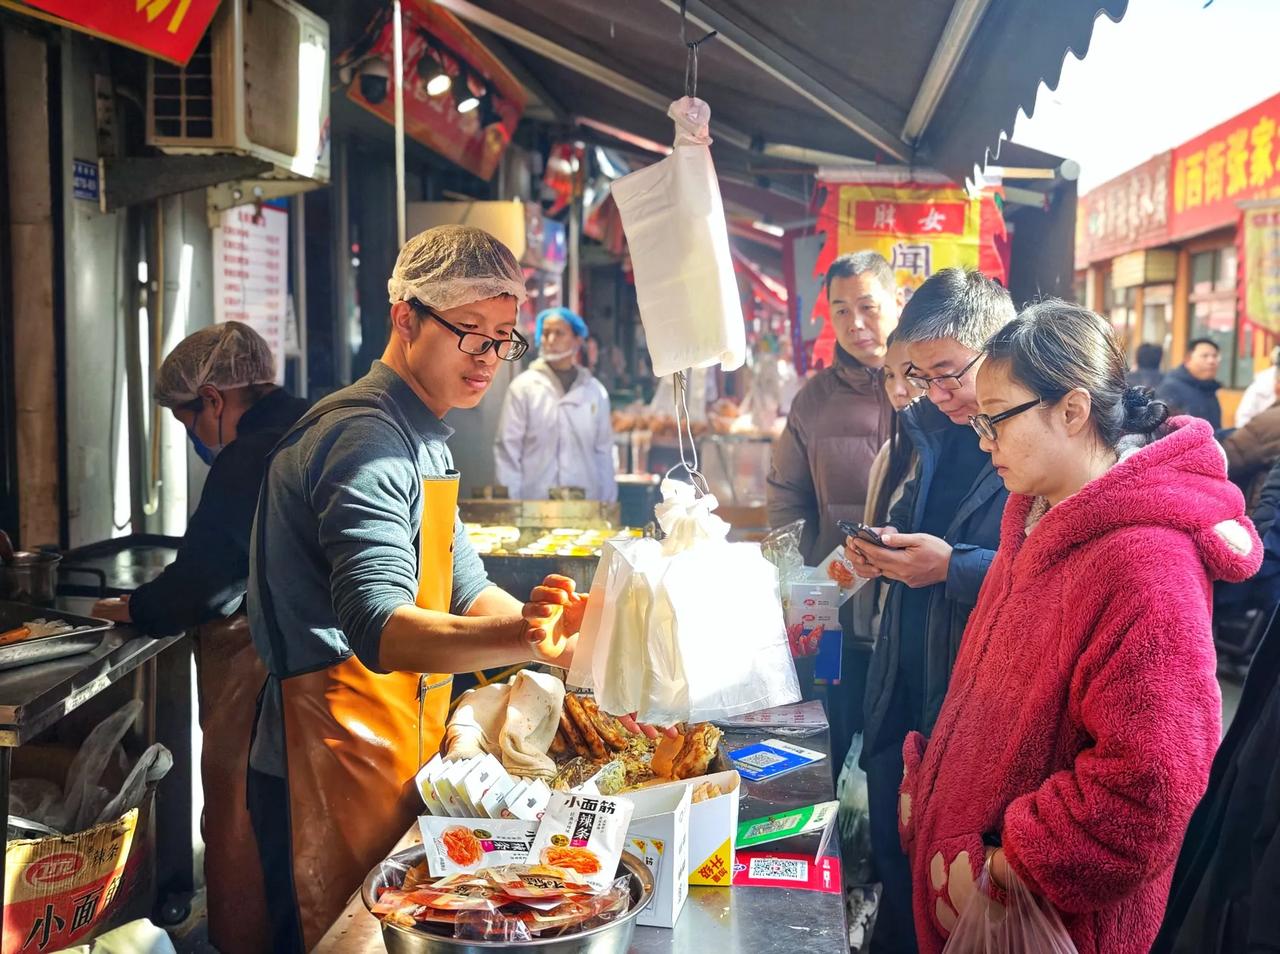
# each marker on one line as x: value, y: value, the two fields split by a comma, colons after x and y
x: 1083, y: 713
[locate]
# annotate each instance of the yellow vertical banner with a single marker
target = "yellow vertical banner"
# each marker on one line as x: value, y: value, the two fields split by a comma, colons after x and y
x: 1261, y: 258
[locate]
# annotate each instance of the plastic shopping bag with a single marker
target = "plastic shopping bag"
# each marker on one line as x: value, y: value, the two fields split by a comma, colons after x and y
x: 686, y: 630
x: 1024, y: 924
x: 853, y: 816
x: 674, y: 221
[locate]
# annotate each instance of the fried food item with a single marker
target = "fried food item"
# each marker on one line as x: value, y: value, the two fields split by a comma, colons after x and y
x: 559, y: 746
x: 16, y: 635
x: 610, y: 729
x: 595, y: 747
x: 572, y: 737
x: 581, y: 860
x: 572, y: 774
x: 697, y: 752
x: 664, y: 757
x: 706, y: 791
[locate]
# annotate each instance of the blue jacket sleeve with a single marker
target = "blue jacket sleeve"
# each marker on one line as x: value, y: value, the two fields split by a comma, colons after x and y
x: 366, y: 492
x: 967, y: 570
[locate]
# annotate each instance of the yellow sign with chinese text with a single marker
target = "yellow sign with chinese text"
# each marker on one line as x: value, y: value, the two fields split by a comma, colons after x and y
x: 1261, y: 267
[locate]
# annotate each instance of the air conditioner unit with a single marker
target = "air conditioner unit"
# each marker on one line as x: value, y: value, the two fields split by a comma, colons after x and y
x: 258, y: 85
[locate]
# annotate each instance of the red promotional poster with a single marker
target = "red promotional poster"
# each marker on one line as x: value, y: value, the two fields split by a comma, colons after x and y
x: 168, y: 29
x: 1236, y: 161
x: 798, y: 872
x: 435, y: 40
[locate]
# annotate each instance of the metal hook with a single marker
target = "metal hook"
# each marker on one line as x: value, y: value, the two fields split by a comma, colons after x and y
x: 691, y: 55
x: 684, y: 426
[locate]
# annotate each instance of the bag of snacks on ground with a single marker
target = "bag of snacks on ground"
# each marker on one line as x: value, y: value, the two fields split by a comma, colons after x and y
x: 686, y: 630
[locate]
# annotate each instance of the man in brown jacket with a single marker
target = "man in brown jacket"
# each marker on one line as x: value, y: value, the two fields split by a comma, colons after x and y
x: 822, y: 461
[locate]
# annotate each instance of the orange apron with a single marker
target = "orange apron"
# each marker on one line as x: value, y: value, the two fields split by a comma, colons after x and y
x: 230, y: 674
x: 354, y: 740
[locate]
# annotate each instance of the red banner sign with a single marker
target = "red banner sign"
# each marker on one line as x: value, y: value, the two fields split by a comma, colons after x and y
x: 169, y: 29
x: 910, y: 218
x: 435, y: 121
x: 1128, y: 213
x: 1236, y: 161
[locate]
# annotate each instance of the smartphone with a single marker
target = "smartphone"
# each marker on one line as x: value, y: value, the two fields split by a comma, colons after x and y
x: 860, y: 531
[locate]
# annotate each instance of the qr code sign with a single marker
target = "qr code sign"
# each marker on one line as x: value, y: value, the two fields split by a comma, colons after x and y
x: 778, y: 869
x: 761, y: 760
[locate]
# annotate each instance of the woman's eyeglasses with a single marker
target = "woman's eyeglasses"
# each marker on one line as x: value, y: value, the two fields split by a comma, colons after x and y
x: 947, y: 382
x: 985, y: 424
x: 473, y: 342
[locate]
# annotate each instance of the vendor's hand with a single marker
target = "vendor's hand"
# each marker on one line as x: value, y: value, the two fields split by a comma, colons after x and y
x: 916, y: 559
x: 115, y: 609
x: 552, y: 618
x: 649, y: 732
x: 853, y: 551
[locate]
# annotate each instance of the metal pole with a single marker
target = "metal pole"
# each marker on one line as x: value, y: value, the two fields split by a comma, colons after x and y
x: 298, y: 219
x: 397, y: 73
x: 345, y: 304
x: 572, y: 297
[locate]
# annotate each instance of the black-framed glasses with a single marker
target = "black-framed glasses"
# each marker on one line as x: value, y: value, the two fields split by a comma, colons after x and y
x: 948, y: 382
x: 473, y: 342
x: 985, y: 424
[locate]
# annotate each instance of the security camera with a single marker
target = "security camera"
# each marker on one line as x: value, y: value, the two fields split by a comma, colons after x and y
x: 375, y: 78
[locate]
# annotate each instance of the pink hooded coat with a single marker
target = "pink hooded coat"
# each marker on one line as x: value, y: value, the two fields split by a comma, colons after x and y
x: 1083, y: 712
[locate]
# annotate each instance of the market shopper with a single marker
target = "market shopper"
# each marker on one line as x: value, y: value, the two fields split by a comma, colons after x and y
x: 837, y: 423
x: 1084, y: 711
x: 1261, y: 392
x: 1253, y: 449
x: 1146, y: 372
x: 219, y: 382
x: 1192, y: 387
x: 363, y: 579
x: 941, y: 538
x: 555, y: 429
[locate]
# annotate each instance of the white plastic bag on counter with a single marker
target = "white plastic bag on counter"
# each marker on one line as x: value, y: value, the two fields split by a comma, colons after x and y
x: 674, y: 222
x: 686, y: 630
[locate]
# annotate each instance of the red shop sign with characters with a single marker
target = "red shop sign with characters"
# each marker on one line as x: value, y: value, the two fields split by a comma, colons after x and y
x: 1234, y: 162
x: 168, y: 29
x: 1128, y: 213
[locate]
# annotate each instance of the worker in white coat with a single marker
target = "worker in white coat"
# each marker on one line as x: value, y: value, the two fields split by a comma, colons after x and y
x: 555, y: 429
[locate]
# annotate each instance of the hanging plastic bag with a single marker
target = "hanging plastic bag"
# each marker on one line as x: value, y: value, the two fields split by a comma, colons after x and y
x: 852, y: 817
x: 686, y: 630
x: 674, y: 221
x: 1023, y: 924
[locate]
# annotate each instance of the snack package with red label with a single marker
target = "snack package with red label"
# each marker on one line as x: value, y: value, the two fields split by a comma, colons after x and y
x: 585, y: 834
x: 465, y: 845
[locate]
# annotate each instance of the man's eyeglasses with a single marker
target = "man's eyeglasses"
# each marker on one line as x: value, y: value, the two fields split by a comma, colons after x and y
x: 947, y: 382
x: 473, y: 342
x: 985, y: 424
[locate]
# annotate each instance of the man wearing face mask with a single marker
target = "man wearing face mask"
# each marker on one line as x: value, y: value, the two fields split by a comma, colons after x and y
x: 555, y: 429
x: 220, y: 384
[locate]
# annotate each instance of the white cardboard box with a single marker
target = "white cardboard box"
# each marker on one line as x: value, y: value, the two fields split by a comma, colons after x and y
x: 713, y: 828
x: 659, y: 834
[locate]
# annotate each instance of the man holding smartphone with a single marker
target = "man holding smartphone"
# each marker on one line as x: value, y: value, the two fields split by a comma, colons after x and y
x: 942, y: 537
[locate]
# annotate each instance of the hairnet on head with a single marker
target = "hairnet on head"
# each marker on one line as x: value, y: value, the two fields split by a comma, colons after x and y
x: 226, y: 356
x: 454, y: 265
x: 573, y: 320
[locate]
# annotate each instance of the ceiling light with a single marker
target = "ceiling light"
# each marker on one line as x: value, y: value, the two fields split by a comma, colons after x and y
x: 462, y: 95
x: 468, y: 104
x: 439, y: 84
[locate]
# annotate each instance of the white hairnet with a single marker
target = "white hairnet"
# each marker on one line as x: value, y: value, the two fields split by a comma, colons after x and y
x: 226, y: 356
x: 454, y: 265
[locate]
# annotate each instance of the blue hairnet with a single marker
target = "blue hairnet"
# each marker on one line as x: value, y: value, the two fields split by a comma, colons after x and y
x: 564, y: 314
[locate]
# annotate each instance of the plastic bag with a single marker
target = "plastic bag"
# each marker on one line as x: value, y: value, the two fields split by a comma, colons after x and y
x: 852, y: 817
x: 1024, y: 924
x: 84, y: 798
x: 686, y: 630
x: 674, y: 221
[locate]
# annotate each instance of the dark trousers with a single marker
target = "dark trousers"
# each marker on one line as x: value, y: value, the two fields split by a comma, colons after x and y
x: 268, y: 797
x: 895, y: 931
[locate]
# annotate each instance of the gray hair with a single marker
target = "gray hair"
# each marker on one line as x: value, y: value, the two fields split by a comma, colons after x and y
x: 862, y: 263
x: 957, y: 303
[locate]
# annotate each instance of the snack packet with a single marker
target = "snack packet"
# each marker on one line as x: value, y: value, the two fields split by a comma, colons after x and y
x: 465, y: 845
x: 534, y: 883
x: 585, y: 834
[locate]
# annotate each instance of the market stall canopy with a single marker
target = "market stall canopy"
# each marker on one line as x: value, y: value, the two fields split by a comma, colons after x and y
x: 807, y: 81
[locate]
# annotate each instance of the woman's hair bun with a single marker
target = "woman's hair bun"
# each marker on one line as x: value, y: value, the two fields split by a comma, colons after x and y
x: 1142, y: 412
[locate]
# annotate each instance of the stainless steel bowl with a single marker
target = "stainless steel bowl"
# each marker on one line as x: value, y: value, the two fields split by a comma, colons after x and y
x: 612, y: 938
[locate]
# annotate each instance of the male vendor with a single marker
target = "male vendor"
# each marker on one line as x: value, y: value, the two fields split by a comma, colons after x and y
x: 362, y: 580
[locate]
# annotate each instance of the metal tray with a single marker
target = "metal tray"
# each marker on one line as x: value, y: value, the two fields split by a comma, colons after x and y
x: 31, y: 651
x: 613, y: 938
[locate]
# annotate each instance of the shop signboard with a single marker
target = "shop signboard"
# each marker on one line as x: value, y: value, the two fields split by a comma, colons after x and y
x: 1259, y: 258
x: 1235, y: 162
x: 435, y: 121
x: 250, y: 273
x: 1128, y: 213
x: 168, y: 29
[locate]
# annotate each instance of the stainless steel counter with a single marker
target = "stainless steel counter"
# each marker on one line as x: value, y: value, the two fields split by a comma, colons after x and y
x: 714, y: 920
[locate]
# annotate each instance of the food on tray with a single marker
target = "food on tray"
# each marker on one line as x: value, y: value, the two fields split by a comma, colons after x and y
x: 664, y: 757
x: 610, y: 729
x: 38, y: 629
x: 581, y: 860
x: 697, y: 752
x: 594, y: 745
x: 15, y: 635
